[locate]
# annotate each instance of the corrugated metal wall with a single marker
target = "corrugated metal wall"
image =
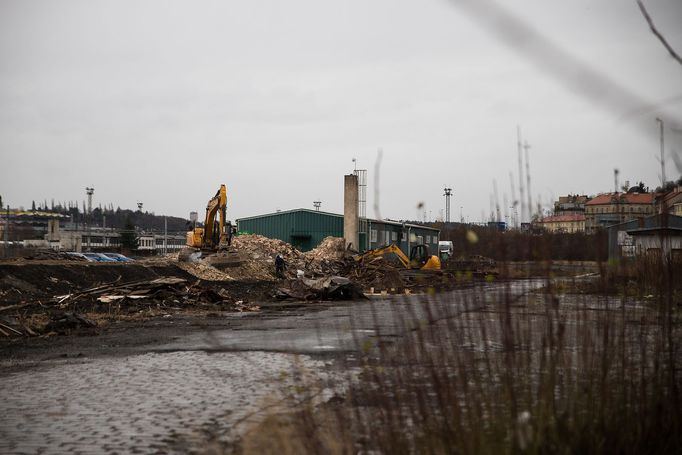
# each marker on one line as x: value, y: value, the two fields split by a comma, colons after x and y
x: 304, y: 229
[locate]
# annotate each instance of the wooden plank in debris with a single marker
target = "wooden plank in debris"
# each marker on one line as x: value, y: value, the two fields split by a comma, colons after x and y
x: 168, y: 280
x: 13, y: 307
x: 102, y: 286
x: 6, y: 327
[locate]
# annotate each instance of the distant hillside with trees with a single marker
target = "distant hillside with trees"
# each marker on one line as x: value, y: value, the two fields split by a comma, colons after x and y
x: 113, y: 218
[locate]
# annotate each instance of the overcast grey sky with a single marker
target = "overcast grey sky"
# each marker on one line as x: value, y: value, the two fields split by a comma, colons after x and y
x: 161, y: 101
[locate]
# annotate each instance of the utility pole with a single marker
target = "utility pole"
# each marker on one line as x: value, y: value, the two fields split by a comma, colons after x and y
x: 7, y: 232
x: 89, y: 191
x: 317, y: 205
x: 615, y: 193
x: 519, y: 147
x: 165, y: 235
x: 526, y: 146
x: 513, y: 190
x: 447, y: 194
x: 660, y: 124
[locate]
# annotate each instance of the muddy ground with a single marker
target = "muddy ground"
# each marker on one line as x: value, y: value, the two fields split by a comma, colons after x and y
x: 56, y: 297
x: 34, y: 294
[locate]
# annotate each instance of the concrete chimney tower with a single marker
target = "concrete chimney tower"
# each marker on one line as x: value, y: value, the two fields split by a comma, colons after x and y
x: 350, y: 211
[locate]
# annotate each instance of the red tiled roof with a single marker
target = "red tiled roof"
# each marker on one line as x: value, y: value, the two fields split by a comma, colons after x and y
x: 564, y: 218
x: 627, y: 198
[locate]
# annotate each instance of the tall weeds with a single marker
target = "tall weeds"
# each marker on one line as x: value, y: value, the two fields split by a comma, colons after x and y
x: 537, y: 371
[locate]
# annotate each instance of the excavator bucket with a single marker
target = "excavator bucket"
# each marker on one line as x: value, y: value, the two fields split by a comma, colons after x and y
x: 225, y: 259
x: 189, y: 255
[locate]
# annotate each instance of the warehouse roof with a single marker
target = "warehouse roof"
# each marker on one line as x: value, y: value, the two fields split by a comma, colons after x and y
x: 400, y: 223
x: 282, y: 212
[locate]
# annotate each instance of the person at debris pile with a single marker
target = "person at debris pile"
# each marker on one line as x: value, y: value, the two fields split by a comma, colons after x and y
x: 280, y: 265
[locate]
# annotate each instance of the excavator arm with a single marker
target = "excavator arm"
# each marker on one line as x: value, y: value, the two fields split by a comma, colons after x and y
x: 378, y: 252
x: 419, y: 257
x: 213, y: 235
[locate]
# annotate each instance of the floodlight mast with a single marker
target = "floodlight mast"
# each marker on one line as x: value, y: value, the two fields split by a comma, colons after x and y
x: 88, y: 216
x: 447, y: 194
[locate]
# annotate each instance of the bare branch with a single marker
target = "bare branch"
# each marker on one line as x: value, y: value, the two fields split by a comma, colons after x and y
x: 657, y: 33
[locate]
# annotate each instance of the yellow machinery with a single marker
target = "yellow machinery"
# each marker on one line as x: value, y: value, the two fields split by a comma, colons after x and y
x: 215, y: 237
x: 419, y: 259
x: 213, y: 234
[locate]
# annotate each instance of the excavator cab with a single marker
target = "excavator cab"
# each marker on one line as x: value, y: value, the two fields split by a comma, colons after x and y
x: 421, y: 258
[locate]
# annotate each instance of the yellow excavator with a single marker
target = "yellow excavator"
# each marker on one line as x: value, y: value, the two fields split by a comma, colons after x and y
x: 420, y: 258
x: 214, y: 239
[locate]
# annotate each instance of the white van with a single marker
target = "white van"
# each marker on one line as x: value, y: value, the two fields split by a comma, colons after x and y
x: 445, y: 249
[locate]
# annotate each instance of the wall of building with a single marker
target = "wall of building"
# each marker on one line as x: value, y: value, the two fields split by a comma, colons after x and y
x: 603, y: 215
x: 623, y: 245
x: 303, y: 228
x: 564, y: 226
x: 654, y: 244
x: 382, y: 233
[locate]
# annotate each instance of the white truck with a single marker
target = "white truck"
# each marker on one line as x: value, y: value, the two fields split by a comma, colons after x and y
x: 445, y: 250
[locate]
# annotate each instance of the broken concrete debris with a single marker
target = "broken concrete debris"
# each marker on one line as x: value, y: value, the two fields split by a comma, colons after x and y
x: 161, y: 291
x: 57, y: 292
x: 326, y: 288
x: 67, y: 322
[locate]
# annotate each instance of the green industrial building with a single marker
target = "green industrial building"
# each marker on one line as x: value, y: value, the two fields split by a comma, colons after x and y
x: 305, y: 229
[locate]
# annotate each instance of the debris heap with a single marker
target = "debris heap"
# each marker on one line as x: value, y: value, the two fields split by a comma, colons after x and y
x: 165, y: 291
x: 326, y: 288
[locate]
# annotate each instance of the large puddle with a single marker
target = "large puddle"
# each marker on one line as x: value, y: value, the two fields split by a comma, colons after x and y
x: 149, y: 403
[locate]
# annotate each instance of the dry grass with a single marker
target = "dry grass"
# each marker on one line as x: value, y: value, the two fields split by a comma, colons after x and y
x: 552, y: 372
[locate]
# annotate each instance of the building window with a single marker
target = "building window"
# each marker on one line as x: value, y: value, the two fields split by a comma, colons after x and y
x: 373, y: 235
x: 394, y: 236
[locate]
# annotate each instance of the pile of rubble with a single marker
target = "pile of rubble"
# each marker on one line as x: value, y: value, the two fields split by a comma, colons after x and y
x: 330, y: 249
x: 50, y: 255
x: 205, y: 271
x: 380, y: 275
x: 160, y: 295
x: 165, y: 291
x: 328, y: 260
x: 259, y: 255
x: 326, y: 288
